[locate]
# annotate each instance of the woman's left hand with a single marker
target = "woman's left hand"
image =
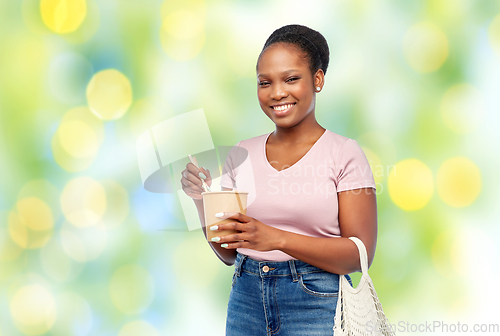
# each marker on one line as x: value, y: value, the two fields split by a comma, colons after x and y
x: 254, y: 234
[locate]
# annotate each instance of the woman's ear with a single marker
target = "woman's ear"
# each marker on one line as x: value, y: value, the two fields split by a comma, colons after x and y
x: 319, y: 79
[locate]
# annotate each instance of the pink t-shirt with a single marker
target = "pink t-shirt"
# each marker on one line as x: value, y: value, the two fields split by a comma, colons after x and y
x: 301, y: 198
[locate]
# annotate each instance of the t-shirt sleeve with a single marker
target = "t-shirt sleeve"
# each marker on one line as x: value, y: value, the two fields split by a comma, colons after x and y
x: 228, y: 177
x: 353, y: 168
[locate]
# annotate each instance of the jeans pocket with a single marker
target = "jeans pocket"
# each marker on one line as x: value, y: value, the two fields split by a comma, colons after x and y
x: 323, y: 284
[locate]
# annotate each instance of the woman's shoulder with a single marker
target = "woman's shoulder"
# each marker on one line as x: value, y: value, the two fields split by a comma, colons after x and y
x: 254, y: 141
x: 336, y: 140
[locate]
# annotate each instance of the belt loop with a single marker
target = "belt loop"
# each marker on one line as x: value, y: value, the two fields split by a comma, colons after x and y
x: 294, y: 271
x: 240, y: 258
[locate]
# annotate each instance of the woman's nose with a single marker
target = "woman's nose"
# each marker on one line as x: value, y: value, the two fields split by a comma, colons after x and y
x: 278, y: 92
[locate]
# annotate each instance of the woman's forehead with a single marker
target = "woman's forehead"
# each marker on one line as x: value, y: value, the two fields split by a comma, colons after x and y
x: 280, y: 58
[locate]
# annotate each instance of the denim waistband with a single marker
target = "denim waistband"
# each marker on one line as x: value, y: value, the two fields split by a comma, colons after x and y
x: 273, y: 268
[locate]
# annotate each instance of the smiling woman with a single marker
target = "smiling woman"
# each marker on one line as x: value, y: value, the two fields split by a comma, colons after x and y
x: 292, y: 244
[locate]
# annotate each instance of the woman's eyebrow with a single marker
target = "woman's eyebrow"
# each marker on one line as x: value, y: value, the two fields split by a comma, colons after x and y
x: 284, y: 72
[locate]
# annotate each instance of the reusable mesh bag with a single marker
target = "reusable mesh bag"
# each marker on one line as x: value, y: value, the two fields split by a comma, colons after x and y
x: 359, y: 311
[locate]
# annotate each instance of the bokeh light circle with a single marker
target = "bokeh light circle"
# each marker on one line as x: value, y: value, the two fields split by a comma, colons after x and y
x: 35, y: 214
x: 138, y: 327
x: 463, y: 108
x: 410, y: 184
x: 33, y: 309
x: 131, y: 289
x: 83, y: 201
x: 63, y: 16
x: 458, y: 181
x: 182, y: 34
x: 425, y: 47
x: 31, y: 224
x: 109, y: 94
x: 77, y: 139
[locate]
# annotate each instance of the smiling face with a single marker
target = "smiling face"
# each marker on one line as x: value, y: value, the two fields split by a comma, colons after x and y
x: 286, y: 87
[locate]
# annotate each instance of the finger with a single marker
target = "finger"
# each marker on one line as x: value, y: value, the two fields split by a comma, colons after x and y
x: 229, y: 226
x: 208, y: 180
x: 235, y: 245
x: 189, y: 183
x: 233, y: 215
x: 191, y: 174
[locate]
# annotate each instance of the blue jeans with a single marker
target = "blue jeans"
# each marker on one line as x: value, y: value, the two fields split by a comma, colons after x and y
x: 281, y: 298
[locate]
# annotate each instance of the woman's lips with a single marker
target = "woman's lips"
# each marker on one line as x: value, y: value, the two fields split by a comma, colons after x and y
x: 283, y: 110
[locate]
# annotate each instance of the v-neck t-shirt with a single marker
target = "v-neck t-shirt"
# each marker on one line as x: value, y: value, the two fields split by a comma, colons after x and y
x: 303, y: 197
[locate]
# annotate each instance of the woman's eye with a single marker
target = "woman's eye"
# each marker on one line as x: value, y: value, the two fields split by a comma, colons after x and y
x: 263, y: 83
x: 292, y: 79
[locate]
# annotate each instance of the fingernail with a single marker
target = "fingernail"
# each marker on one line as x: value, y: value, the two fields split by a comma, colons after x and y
x: 215, y: 239
x: 214, y: 228
x: 224, y: 245
x: 202, y: 175
x: 219, y: 214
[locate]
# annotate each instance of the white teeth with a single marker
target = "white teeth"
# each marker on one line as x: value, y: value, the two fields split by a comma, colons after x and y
x: 282, y: 107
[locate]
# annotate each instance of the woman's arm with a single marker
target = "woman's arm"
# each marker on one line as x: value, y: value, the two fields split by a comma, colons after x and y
x: 226, y: 256
x: 357, y: 217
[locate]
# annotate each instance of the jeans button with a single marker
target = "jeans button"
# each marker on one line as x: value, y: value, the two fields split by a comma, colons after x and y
x: 265, y: 269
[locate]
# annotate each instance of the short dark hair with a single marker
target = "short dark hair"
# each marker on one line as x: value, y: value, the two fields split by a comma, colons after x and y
x: 306, y: 39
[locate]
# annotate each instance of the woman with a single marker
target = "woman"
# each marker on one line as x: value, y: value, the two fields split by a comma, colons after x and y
x: 312, y: 189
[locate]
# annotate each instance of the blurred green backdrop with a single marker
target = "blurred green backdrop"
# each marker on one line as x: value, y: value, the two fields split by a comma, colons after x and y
x: 85, y: 250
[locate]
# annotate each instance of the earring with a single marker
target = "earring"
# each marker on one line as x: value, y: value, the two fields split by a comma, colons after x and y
x: 318, y: 89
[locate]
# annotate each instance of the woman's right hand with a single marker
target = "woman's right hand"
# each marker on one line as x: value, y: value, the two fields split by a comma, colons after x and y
x: 191, y: 181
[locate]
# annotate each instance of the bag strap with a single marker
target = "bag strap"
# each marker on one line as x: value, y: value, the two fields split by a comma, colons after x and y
x: 363, y: 257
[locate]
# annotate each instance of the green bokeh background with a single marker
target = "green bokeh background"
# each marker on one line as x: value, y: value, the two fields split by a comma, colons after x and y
x: 436, y: 263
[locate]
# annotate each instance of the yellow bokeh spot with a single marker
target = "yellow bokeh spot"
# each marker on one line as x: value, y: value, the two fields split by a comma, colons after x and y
x: 109, y: 94
x: 425, y: 47
x: 131, y: 288
x: 45, y: 191
x: 462, y: 108
x: 138, y: 327
x: 494, y: 34
x: 9, y: 250
x: 35, y: 214
x: 183, y: 25
x: 83, y: 201
x: 410, y: 184
x: 77, y: 139
x: 458, y: 182
x: 63, y: 16
x: 182, y: 34
x: 34, y: 309
x: 31, y: 224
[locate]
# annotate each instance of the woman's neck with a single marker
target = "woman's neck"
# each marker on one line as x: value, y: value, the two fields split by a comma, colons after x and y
x: 298, y: 134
